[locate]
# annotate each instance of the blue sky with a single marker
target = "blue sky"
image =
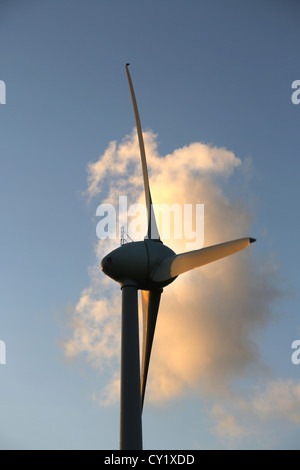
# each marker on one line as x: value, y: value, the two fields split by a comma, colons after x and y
x: 218, y: 72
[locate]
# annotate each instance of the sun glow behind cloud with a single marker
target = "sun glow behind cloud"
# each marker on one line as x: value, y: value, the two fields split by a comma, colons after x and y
x: 208, y: 317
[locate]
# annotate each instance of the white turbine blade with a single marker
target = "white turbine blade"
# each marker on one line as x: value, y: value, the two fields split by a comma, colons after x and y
x: 150, y: 303
x: 174, y: 265
x: 152, y: 227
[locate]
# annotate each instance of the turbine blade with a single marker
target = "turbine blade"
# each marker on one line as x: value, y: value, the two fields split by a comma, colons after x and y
x: 152, y: 233
x: 150, y: 303
x: 174, y: 265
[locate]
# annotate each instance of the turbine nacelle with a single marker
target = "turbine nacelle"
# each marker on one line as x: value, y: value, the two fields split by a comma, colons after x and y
x: 135, y: 263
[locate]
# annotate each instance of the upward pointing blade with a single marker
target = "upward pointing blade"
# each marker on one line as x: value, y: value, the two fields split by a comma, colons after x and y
x: 150, y: 303
x: 152, y: 233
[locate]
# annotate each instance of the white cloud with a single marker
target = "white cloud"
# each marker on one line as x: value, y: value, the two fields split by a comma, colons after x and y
x: 227, y: 426
x: 280, y: 400
x: 207, y: 319
x: 269, y: 412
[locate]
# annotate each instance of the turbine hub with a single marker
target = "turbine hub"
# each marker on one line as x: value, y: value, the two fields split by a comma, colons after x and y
x: 135, y: 262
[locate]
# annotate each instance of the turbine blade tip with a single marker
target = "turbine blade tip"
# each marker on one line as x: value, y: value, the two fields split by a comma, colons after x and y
x: 252, y: 240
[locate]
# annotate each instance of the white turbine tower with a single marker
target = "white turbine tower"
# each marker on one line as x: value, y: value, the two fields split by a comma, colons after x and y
x: 148, y: 266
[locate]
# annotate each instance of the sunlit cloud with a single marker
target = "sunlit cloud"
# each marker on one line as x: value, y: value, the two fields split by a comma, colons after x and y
x: 257, y: 415
x: 280, y: 400
x: 227, y: 426
x: 208, y: 317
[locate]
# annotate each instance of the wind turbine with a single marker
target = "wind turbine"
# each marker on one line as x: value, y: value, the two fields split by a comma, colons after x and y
x: 148, y: 266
